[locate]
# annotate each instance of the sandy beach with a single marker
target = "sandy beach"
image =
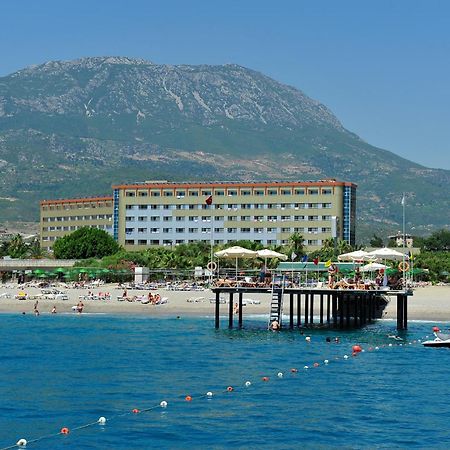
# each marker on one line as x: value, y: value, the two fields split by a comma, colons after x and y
x: 427, y: 303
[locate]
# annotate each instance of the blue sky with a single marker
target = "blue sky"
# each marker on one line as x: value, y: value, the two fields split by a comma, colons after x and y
x: 381, y: 66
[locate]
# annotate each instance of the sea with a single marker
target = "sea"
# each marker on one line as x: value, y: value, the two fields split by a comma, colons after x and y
x: 246, y: 389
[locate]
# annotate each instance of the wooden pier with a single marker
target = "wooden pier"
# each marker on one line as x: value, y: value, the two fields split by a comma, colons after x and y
x: 309, y: 307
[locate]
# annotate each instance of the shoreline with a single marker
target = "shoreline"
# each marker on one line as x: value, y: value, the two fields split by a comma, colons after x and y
x: 427, y: 304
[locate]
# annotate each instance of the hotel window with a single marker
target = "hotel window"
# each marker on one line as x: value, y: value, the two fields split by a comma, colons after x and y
x: 129, y: 230
x: 218, y: 230
x: 232, y: 218
x: 179, y: 241
x: 285, y: 230
x: 272, y: 192
x: 181, y: 194
x: 285, y: 218
x: 168, y: 193
x: 154, y: 230
x: 167, y: 219
x: 129, y: 207
x: 245, y: 218
x: 245, y: 230
x: 246, y: 206
x: 154, y: 206
x: 127, y: 194
x: 313, y: 242
x: 313, y: 191
x: 142, y: 242
x: 258, y: 218
x: 155, y: 194
x: 286, y: 192
x: 299, y: 191
x: 142, y: 230
x: 272, y: 218
x: 180, y: 219
x: 232, y: 230
x: 129, y: 241
x: 206, y: 218
x: 258, y: 206
x: 129, y: 219
x: 193, y: 194
x: 142, y: 193
x: 167, y: 242
x: 271, y: 230
x: 326, y: 205
x: 313, y: 205
x: 246, y: 192
x: 192, y: 206
x: 219, y: 192
x: 206, y: 230
x: 258, y: 230
x: 313, y: 218
x: 193, y: 230
x: 180, y: 207
x: 219, y: 218
x: 327, y: 191
x: 297, y: 218
x: 193, y: 218
x: 206, y: 193
x: 142, y: 219
x: 271, y: 206
x: 326, y: 229
x: 258, y: 192
x: 166, y: 207
x: 167, y: 230
x: 179, y: 230
x: 154, y: 219
x: 326, y: 217
x: 271, y: 241
x: 313, y: 230
x: 298, y: 230
x: 232, y: 192
x: 154, y: 242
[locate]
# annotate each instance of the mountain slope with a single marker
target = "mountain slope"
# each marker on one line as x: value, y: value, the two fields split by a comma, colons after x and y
x: 75, y: 128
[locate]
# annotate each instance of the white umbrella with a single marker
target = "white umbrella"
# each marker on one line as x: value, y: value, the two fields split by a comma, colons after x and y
x: 266, y: 253
x: 358, y: 255
x: 388, y: 253
x: 371, y: 267
x: 236, y: 252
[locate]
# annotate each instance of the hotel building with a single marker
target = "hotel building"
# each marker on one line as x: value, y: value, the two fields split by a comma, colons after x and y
x: 169, y: 213
x: 61, y: 217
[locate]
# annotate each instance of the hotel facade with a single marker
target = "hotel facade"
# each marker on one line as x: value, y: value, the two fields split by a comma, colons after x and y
x: 170, y: 213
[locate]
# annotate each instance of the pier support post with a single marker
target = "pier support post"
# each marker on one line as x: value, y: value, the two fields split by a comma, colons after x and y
x: 240, y: 310
x: 311, y: 308
x: 230, y: 311
x: 291, y: 311
x: 400, y: 311
x: 334, y: 313
x: 321, y: 309
x: 328, y: 308
x: 405, y: 312
x: 217, y: 321
x: 299, y: 310
x: 356, y: 309
x: 306, y: 321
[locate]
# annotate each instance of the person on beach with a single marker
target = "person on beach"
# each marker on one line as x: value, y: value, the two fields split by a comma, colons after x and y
x: 36, y: 311
x: 236, y: 309
x: 80, y: 307
x: 53, y: 309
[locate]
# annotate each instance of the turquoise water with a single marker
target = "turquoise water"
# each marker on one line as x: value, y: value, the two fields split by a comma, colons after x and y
x: 68, y: 370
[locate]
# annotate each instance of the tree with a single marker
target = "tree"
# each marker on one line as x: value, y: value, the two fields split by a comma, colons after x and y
x: 85, y: 243
x: 17, y: 247
x: 376, y: 241
x: 297, y: 245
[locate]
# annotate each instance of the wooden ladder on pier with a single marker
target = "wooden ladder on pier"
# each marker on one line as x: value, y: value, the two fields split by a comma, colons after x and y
x: 276, y: 303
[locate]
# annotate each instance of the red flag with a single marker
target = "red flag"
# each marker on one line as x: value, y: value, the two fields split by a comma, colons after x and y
x: 208, y: 201
x: 316, y: 261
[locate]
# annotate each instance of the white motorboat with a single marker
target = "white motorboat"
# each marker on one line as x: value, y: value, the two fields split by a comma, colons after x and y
x: 440, y: 340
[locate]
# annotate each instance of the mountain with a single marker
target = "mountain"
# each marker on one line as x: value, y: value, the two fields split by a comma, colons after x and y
x: 74, y: 128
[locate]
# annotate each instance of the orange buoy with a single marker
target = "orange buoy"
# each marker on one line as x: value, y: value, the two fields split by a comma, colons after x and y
x: 230, y: 389
x: 436, y: 329
x: 188, y: 398
x: 135, y: 411
x: 265, y: 378
x: 294, y: 370
x: 65, y: 430
x: 356, y: 348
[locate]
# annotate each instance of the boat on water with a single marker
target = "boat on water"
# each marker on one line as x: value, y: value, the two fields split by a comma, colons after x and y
x: 440, y: 340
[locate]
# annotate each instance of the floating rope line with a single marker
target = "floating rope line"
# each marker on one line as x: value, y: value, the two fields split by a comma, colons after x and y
x: 356, y: 350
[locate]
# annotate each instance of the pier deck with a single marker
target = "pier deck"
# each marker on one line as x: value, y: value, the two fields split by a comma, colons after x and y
x: 337, y: 308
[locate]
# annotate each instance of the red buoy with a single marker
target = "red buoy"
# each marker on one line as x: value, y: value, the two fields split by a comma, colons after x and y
x: 356, y: 348
x: 135, y: 411
x: 265, y: 378
x: 188, y: 398
x: 65, y: 430
x: 436, y: 329
x: 294, y: 370
x: 316, y: 364
x: 230, y: 389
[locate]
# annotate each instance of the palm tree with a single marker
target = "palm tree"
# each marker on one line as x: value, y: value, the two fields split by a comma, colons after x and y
x: 297, y: 245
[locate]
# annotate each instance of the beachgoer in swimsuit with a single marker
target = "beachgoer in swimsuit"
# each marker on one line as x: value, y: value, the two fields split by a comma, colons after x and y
x: 275, y: 325
x: 236, y: 309
x: 80, y: 307
x: 54, y: 309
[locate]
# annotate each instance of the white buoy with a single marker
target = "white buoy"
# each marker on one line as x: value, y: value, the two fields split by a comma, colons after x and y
x: 307, y: 339
x: 280, y: 374
x: 390, y: 345
x: 101, y: 420
x: 209, y: 394
x: 306, y: 367
x: 377, y: 348
x: 21, y: 443
x: 326, y: 361
x: 345, y: 356
x: 247, y: 383
x: 163, y: 404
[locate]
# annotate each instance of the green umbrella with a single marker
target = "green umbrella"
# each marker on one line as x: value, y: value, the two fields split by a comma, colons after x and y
x: 60, y: 270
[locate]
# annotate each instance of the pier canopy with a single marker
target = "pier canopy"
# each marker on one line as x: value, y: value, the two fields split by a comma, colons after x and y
x: 312, y: 267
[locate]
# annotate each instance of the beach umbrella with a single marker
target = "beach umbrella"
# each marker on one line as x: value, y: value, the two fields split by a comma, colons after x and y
x: 357, y: 255
x: 267, y: 253
x: 388, y: 254
x: 236, y: 252
x: 38, y: 271
x: 371, y: 267
x: 60, y: 270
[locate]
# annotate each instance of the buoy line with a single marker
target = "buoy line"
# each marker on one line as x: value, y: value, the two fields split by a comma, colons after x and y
x: 356, y: 349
